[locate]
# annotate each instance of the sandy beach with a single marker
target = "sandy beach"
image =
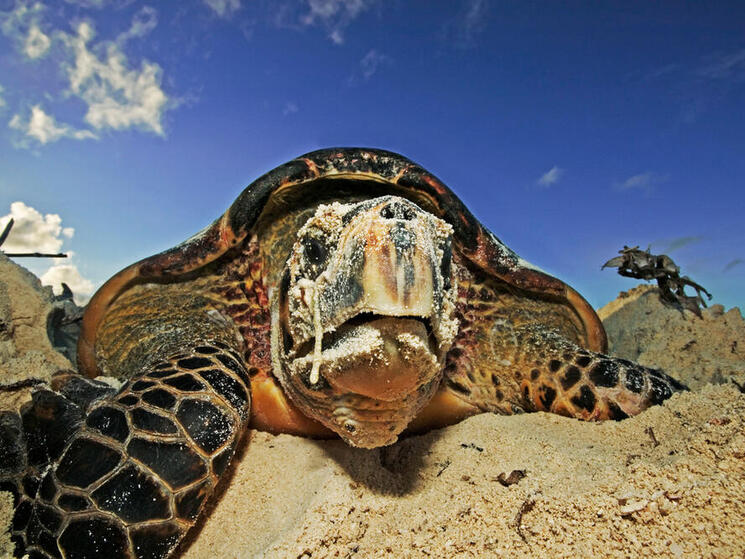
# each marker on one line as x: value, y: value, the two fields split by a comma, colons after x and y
x: 669, y: 482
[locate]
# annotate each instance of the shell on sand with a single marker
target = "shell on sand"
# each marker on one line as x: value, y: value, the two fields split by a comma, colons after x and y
x: 668, y: 482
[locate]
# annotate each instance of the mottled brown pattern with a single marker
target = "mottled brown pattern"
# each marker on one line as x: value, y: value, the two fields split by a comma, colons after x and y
x: 242, y: 291
x: 480, y: 366
x: 515, y: 353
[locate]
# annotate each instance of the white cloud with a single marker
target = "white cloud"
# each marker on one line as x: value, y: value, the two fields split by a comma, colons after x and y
x: 22, y: 25
x: 2, y: 100
x: 290, y: 108
x: 34, y: 232
x: 44, y: 128
x: 334, y: 15
x: 65, y: 272
x: 117, y: 97
x: 550, y: 177
x: 644, y: 182
x: 224, y: 8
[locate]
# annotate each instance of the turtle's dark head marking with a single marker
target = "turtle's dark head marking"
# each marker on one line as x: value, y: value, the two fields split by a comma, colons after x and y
x: 365, y: 316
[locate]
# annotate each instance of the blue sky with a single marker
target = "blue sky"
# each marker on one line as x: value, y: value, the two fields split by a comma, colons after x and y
x: 570, y: 129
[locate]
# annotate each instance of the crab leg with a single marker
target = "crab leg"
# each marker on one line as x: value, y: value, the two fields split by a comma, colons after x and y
x: 134, y: 475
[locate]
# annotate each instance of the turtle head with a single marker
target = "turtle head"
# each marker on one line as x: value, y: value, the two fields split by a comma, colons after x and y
x: 365, y: 316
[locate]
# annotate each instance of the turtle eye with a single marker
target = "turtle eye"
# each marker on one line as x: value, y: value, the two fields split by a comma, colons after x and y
x: 315, y: 255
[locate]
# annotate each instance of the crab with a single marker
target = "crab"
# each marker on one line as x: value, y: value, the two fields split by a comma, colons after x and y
x: 642, y: 264
x: 348, y: 293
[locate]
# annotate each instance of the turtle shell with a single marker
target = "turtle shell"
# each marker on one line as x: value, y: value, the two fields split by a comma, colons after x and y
x: 374, y: 169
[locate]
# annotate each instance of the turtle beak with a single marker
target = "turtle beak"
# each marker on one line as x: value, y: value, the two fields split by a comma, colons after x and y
x: 391, y: 263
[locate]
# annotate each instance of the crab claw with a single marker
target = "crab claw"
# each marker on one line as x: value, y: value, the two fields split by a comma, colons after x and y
x: 616, y: 262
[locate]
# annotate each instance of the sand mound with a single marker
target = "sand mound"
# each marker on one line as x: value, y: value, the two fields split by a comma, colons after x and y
x: 25, y: 349
x: 668, y: 482
x: 710, y: 349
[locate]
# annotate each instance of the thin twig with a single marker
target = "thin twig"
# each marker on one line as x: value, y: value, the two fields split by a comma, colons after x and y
x: 34, y: 255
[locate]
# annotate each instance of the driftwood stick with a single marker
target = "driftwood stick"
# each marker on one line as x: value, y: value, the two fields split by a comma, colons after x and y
x: 6, y: 231
x: 33, y: 255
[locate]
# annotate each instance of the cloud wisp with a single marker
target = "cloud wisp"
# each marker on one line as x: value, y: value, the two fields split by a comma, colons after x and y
x: 334, y: 15
x: 290, y: 108
x: 44, y: 128
x: 680, y: 242
x: 23, y: 26
x: 724, y: 66
x: 97, y: 4
x: 143, y: 23
x: 34, y: 232
x: 463, y: 31
x: 223, y: 8
x: 371, y: 62
x: 733, y: 264
x: 369, y: 65
x: 550, y: 177
x: 646, y: 183
x: 699, y: 85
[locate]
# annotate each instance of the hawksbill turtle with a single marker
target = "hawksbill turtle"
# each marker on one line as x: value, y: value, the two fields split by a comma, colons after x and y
x: 346, y: 293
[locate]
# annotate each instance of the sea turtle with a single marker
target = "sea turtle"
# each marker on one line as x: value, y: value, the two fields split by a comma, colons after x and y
x: 346, y: 293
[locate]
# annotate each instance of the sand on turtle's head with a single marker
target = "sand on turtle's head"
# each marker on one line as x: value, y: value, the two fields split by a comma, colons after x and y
x: 367, y: 313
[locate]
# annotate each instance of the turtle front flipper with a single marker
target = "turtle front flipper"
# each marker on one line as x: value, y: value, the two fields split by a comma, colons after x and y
x: 574, y: 382
x: 518, y: 353
x: 539, y: 370
x: 134, y: 476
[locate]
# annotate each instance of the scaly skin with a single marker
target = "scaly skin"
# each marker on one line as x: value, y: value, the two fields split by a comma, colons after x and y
x: 507, y: 360
x: 134, y: 477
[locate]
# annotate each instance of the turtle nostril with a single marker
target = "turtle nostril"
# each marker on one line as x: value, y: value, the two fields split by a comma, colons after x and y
x: 397, y: 210
x: 387, y: 213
